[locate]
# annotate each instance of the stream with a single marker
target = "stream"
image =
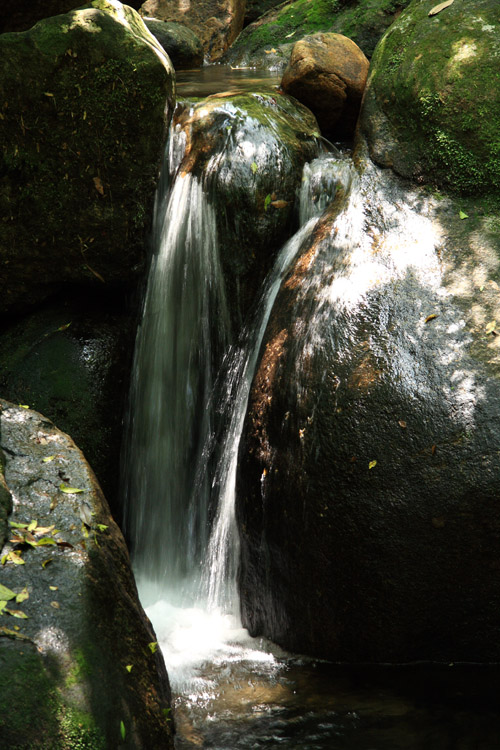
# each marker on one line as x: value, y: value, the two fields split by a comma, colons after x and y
x: 230, y: 690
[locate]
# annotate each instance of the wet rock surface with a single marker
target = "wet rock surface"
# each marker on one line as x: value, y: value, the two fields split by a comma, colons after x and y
x: 74, y: 650
x: 327, y: 73
x: 367, y: 501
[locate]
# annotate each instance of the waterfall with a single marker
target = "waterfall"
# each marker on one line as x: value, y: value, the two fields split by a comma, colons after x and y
x: 186, y: 577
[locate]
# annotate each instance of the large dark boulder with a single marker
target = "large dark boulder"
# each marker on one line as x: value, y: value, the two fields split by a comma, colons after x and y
x: 368, y: 483
x: 70, y: 360
x: 248, y: 150
x: 432, y: 104
x: 83, y: 117
x: 181, y: 44
x: 78, y: 656
x: 327, y: 73
x: 216, y: 24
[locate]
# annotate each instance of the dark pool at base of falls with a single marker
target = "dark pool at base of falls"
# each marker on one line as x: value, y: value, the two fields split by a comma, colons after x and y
x: 318, y: 706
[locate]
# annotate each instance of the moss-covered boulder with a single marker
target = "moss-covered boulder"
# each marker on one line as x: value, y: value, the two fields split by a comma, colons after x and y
x: 80, y: 666
x: 266, y: 41
x: 82, y: 120
x: 368, y: 481
x: 432, y: 105
x: 248, y: 150
x: 181, y: 44
x: 327, y: 73
x: 20, y: 15
x: 70, y: 361
x: 216, y: 24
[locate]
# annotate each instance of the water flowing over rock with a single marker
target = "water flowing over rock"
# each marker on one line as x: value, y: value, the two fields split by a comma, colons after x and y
x: 327, y: 73
x: 367, y: 496
x: 216, y: 24
x: 82, y: 121
x: 248, y: 150
x: 79, y: 662
x: 180, y: 43
x: 432, y: 104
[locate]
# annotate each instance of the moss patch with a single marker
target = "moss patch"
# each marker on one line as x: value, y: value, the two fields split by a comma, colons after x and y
x: 435, y: 81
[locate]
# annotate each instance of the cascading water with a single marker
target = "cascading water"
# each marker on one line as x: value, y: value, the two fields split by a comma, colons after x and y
x: 171, y: 421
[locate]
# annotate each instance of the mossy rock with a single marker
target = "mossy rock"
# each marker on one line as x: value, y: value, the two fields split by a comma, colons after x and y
x: 432, y: 104
x: 81, y: 663
x: 363, y: 21
x: 20, y: 15
x: 82, y: 120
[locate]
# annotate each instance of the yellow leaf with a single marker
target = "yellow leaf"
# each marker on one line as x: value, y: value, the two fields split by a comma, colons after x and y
x: 55, y: 605
x: 438, y: 8
x: 53, y: 588
x: 15, y: 557
x: 491, y: 326
x: 69, y: 490
x: 430, y: 317
x: 47, y: 459
x: 17, y: 613
x: 129, y: 667
x: 153, y: 646
x: 372, y: 464
x: 22, y: 596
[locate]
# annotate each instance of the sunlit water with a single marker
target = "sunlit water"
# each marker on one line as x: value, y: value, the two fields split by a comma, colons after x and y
x: 231, y: 691
x: 214, y: 79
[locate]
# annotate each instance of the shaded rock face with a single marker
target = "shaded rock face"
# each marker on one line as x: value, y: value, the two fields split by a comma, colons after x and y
x: 70, y: 360
x: 5, y: 503
x: 181, y: 44
x: 20, y: 15
x: 327, y: 73
x: 248, y: 150
x: 216, y: 24
x: 367, y: 493
x: 432, y: 104
x: 83, y: 118
x: 266, y: 41
x: 69, y: 685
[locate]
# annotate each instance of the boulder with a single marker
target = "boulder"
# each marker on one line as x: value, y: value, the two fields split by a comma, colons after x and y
x: 432, y: 103
x: 5, y: 503
x: 20, y: 15
x: 216, y: 24
x: 265, y: 41
x: 327, y: 73
x: 367, y: 491
x: 70, y: 360
x: 249, y: 151
x: 83, y: 117
x: 180, y: 43
x: 79, y: 657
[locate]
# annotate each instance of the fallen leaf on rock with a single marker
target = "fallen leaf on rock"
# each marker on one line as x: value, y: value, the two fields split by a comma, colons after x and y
x: 122, y: 730
x: 438, y: 8
x: 47, y: 459
x: 6, y: 594
x: 153, y: 646
x: 46, y: 562
x: 279, y: 204
x: 15, y: 557
x: 463, y: 215
x: 98, y: 185
x: 372, y: 464
x: 430, y: 317
x: 254, y: 167
x: 2, y: 606
x: 69, y: 490
x: 129, y: 667
x: 55, y: 605
x: 490, y: 328
x: 22, y: 596
x: 54, y: 588
x: 17, y: 613
x: 13, y: 634
x: 402, y: 423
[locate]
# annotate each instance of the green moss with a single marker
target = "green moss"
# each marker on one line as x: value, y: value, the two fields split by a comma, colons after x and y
x: 438, y: 83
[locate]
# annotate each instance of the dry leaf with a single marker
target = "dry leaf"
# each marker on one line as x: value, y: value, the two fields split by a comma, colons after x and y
x: 430, y: 317
x: 438, y: 8
x: 98, y: 185
x: 279, y: 204
x: 55, y: 605
x: 402, y: 423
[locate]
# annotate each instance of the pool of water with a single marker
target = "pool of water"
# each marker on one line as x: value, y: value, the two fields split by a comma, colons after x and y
x: 214, y: 79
